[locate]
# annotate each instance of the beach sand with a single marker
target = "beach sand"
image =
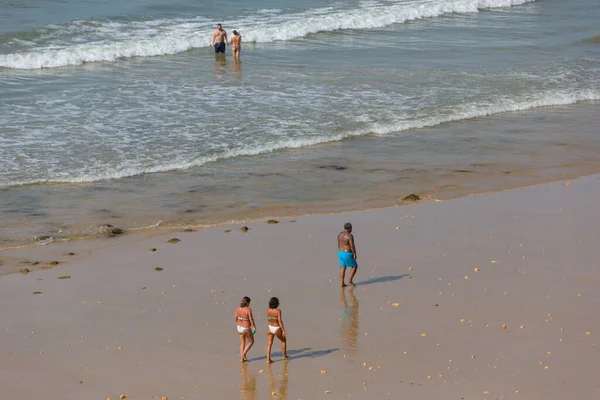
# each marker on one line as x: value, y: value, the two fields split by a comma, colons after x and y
x: 490, y: 296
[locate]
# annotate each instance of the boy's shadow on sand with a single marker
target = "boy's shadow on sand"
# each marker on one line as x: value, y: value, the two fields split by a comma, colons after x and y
x: 382, y: 279
x: 301, y: 353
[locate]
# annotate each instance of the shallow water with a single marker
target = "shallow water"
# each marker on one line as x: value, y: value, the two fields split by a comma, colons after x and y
x: 118, y: 113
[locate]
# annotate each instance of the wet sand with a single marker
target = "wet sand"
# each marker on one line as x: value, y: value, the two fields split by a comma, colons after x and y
x: 483, y: 297
x: 498, y: 152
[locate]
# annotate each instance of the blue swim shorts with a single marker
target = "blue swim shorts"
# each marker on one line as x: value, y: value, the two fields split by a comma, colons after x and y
x: 220, y: 47
x: 347, y: 259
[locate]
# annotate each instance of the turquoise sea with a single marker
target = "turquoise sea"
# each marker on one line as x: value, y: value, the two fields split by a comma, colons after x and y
x: 119, y: 113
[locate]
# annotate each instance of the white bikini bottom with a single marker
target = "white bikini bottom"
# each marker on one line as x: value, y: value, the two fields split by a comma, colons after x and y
x: 273, y: 329
x: 241, y: 329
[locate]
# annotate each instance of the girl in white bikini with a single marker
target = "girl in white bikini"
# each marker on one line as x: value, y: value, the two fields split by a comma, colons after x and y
x: 276, y: 328
x: 245, y: 327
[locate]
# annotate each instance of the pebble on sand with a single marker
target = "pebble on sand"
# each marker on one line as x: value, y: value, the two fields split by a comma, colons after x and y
x: 476, y: 269
x: 158, y: 268
x: 174, y: 240
x: 37, y: 292
x: 272, y: 221
x: 395, y: 304
x: 323, y: 372
x: 122, y: 397
x: 411, y: 198
x: 24, y: 271
x: 153, y: 249
x: 244, y: 229
x: 64, y: 277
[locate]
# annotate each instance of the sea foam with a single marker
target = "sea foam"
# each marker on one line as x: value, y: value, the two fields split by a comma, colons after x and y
x: 468, y: 111
x: 92, y: 41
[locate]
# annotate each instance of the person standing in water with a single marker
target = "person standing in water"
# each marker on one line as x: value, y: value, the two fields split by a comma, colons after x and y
x: 219, y: 39
x: 276, y: 328
x: 347, y: 254
x: 236, y: 44
x: 245, y: 327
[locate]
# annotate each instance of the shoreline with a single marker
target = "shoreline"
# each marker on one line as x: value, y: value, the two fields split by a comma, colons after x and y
x: 476, y: 156
x: 104, y: 240
x: 486, y: 296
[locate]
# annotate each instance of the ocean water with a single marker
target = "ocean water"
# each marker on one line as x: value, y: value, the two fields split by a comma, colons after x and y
x: 119, y: 112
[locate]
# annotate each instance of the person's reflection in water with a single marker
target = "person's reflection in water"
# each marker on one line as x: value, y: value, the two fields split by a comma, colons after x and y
x: 349, y: 326
x: 237, y: 69
x: 220, y: 66
x: 279, y: 387
x: 248, y: 386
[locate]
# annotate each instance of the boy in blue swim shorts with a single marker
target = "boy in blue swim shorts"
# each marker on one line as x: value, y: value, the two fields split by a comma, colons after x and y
x: 347, y: 254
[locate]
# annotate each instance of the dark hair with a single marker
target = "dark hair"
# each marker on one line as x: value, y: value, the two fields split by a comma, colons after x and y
x: 245, y: 301
x: 347, y: 226
x: 274, y: 302
x: 235, y: 32
x: 221, y: 25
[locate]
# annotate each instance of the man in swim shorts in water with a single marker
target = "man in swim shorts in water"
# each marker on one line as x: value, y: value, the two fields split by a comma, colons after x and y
x: 219, y: 39
x: 347, y: 254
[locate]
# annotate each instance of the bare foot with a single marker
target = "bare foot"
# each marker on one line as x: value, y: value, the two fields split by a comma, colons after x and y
x: 269, y: 361
x: 344, y: 285
x: 286, y: 357
x: 244, y: 359
x: 351, y: 283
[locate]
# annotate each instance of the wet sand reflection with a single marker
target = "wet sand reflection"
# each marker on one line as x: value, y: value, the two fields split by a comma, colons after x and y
x: 349, y: 321
x: 279, y: 385
x: 248, y: 385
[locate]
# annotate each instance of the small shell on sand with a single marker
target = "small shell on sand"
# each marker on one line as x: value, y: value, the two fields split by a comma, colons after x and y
x: 24, y: 271
x: 467, y: 277
x: 476, y: 269
x: 272, y: 221
x: 423, y: 334
x: 328, y: 392
x: 37, y: 292
x: 174, y: 240
x: 505, y: 326
x: 64, y: 277
x: 395, y: 304
x: 153, y: 249
x: 164, y: 398
x: 122, y: 397
x: 158, y: 268
x: 244, y: 229
x: 323, y: 372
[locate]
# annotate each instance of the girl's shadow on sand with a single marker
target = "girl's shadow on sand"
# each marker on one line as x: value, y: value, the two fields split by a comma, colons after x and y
x: 382, y: 279
x: 301, y: 353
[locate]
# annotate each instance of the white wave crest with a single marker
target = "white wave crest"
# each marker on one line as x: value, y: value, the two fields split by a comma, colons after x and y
x: 468, y: 111
x: 111, y: 41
